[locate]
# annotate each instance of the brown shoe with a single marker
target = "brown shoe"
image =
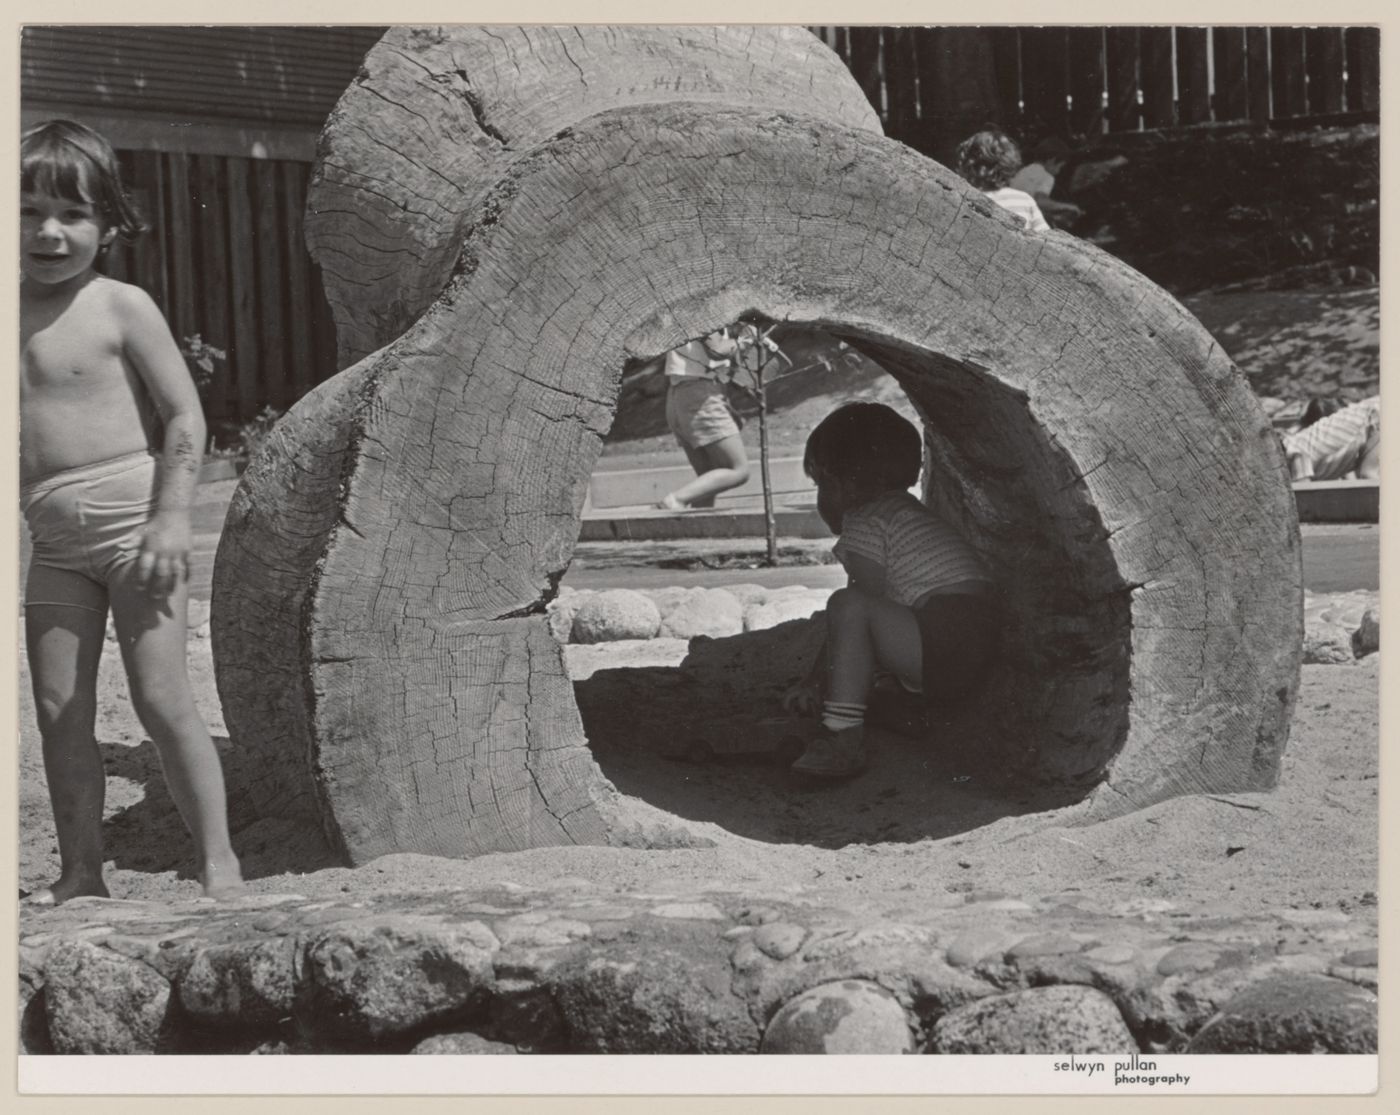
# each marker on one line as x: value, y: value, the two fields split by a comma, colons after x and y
x: 834, y: 754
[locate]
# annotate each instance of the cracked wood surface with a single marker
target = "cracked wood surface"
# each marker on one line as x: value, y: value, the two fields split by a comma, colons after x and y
x: 438, y: 113
x: 392, y: 660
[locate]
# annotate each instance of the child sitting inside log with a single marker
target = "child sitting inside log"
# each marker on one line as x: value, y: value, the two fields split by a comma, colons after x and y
x: 920, y: 603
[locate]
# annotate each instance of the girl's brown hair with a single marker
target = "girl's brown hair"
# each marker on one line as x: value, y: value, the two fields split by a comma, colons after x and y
x: 988, y: 159
x: 66, y: 159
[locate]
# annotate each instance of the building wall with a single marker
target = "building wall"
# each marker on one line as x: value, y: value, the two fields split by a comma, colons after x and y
x: 216, y: 130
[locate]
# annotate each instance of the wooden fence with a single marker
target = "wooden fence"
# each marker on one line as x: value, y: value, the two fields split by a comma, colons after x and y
x: 932, y: 85
x: 225, y: 259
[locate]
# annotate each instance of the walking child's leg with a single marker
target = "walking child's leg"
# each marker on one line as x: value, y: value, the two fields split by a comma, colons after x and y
x: 726, y: 465
x: 64, y: 645
x: 151, y: 632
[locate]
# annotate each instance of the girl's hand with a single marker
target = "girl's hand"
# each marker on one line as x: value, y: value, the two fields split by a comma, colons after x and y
x: 803, y: 698
x: 165, y: 554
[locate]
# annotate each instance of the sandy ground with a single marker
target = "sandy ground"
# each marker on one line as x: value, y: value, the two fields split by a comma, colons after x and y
x: 910, y: 824
x: 921, y: 819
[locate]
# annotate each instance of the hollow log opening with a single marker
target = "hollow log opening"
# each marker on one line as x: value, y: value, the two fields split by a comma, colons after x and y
x: 380, y: 583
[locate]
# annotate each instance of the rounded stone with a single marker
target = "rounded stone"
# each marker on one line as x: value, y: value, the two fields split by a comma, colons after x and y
x: 1361, y: 958
x: 779, y: 939
x: 1367, y: 637
x: 849, y: 1016
x: 969, y: 947
x: 783, y: 609
x: 617, y: 613
x: 703, y: 611
x: 1041, y: 1020
x: 465, y: 1042
x: 1112, y: 954
x: 1044, y: 944
x: 97, y: 1001
x: 1190, y: 957
x: 1292, y: 1014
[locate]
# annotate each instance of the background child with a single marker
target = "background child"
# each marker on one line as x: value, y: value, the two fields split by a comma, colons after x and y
x: 705, y: 425
x: 1335, y: 445
x: 102, y: 383
x: 1037, y: 178
x: 919, y: 600
x: 988, y: 160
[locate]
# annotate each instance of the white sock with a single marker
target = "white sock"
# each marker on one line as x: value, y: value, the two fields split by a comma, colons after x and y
x: 837, y: 716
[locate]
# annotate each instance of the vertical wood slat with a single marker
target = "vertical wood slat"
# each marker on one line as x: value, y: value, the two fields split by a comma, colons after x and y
x: 1258, y: 78
x: 148, y: 271
x: 900, y: 70
x: 243, y: 352
x: 1363, y: 62
x: 1158, y: 108
x: 211, y: 239
x: 1045, y: 78
x: 271, y: 299
x: 1006, y: 55
x: 304, y: 370
x: 865, y: 64
x: 1286, y: 70
x: 179, y: 246
x: 1086, y: 80
x: 1193, y: 75
x: 1231, y: 85
x: 1122, y: 49
x: 931, y: 49
x: 1323, y: 46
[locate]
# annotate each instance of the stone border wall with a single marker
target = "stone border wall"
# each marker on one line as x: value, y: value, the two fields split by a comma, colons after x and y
x: 510, y: 969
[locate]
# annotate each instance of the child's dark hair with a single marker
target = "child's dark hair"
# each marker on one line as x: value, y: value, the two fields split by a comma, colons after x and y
x: 63, y: 158
x: 988, y: 159
x: 868, y: 445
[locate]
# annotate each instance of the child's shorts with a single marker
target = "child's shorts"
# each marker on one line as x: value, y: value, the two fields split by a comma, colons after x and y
x: 698, y: 412
x: 960, y: 635
x: 87, y: 520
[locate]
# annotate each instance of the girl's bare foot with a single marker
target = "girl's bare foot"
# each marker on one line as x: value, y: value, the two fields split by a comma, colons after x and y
x: 669, y: 502
x: 222, y: 878
x: 71, y: 886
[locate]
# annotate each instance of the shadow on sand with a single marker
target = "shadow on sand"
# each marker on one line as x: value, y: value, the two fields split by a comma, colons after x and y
x: 637, y: 720
x: 150, y: 836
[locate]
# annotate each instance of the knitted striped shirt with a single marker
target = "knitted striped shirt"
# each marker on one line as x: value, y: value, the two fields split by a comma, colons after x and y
x: 1022, y: 206
x: 917, y: 550
x: 1333, y: 446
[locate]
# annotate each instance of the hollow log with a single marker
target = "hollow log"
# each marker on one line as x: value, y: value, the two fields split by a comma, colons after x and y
x: 380, y: 584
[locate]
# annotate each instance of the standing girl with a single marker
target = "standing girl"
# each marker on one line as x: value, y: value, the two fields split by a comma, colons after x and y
x: 111, y: 439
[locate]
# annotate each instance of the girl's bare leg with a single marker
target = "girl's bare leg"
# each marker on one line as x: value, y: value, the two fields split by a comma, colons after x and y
x: 721, y: 465
x: 151, y: 633
x: 64, y: 644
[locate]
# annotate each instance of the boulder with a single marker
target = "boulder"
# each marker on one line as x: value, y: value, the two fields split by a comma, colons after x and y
x: 1366, y: 639
x: 711, y: 612
x: 614, y: 614
x: 560, y: 612
x: 1061, y: 1019
x: 847, y: 1016
x: 248, y: 984
x: 363, y: 982
x: 98, y: 1001
x: 782, y: 609
x: 1293, y: 1014
x: 461, y: 1043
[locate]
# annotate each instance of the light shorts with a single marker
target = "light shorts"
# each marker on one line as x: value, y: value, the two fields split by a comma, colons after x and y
x: 698, y: 412
x: 86, y: 520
